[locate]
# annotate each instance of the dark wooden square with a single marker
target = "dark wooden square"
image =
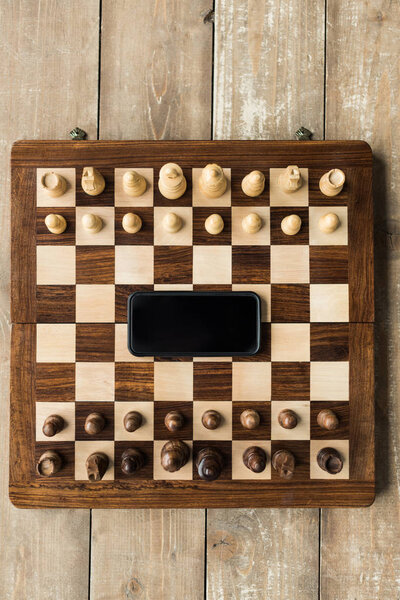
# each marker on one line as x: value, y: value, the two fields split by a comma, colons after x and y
x: 55, y: 382
x: 277, y: 235
x: 224, y: 447
x: 212, y: 380
x: 290, y: 303
x: 250, y: 264
x: 95, y: 264
x: 329, y: 341
x: 95, y: 342
x: 173, y: 264
x: 290, y: 381
x: 342, y: 410
x: 264, y: 353
x: 45, y: 237
x: 239, y: 198
x: 301, y: 451
x: 146, y: 448
x: 134, y: 382
x: 209, y: 287
x: 262, y: 432
x: 83, y: 409
x: 122, y: 293
x: 201, y: 235
x: 329, y: 264
x: 106, y: 198
x: 145, y: 236
x: 161, y: 409
x: 184, y: 200
x: 67, y: 452
x: 55, y: 304
x: 317, y: 198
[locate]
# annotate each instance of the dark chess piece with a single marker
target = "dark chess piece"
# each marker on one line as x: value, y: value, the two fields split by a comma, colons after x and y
x: 327, y: 419
x: 49, y: 463
x: 94, y: 423
x: 250, y: 419
x: 52, y: 425
x: 174, y: 455
x: 174, y: 420
x: 255, y: 459
x: 96, y: 466
x: 284, y: 462
x: 209, y: 464
x: 132, y: 421
x: 330, y: 460
x: 287, y: 419
x: 132, y: 460
x: 211, y: 419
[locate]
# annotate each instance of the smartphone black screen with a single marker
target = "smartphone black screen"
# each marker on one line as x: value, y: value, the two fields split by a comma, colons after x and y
x: 193, y: 323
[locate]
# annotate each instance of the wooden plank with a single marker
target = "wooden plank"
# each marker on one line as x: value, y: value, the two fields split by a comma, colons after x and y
x: 48, y: 56
x: 362, y: 102
x: 268, y: 81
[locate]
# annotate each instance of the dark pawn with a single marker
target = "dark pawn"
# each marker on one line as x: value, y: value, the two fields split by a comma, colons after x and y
x: 95, y: 423
x: 174, y: 455
x: 255, y: 459
x: 211, y: 419
x: 49, y: 463
x: 209, y: 463
x: 330, y: 460
x: 174, y: 420
x: 327, y: 419
x: 131, y: 461
x: 132, y: 421
x: 52, y: 425
x: 96, y: 466
x: 250, y: 419
x: 287, y: 419
x: 284, y: 462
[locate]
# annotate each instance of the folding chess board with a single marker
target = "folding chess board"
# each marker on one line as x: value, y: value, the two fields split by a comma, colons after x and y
x: 69, y: 340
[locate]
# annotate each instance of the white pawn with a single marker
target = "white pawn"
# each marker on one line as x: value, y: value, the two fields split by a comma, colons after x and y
x: 55, y: 223
x: 291, y: 225
x: 172, y: 182
x: 92, y: 223
x: 253, y: 184
x: 290, y: 180
x: 214, y: 224
x: 329, y: 223
x: 131, y: 223
x: 212, y: 181
x: 133, y: 183
x: 53, y: 184
x: 92, y: 181
x: 172, y: 222
x: 332, y: 182
x: 251, y: 223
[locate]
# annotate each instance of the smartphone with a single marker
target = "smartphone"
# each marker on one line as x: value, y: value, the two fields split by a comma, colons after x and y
x: 194, y: 323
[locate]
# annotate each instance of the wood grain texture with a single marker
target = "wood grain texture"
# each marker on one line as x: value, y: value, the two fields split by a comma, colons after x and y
x: 48, y: 56
x: 363, y: 102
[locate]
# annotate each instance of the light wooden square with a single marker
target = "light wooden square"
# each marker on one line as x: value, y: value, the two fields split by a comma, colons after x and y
x: 105, y: 237
x: 122, y: 353
x: 264, y: 293
x: 199, y: 199
x: 290, y: 264
x: 280, y: 198
x: 134, y: 264
x: 55, y: 342
x: 329, y: 302
x: 95, y: 303
x: 223, y: 432
x: 342, y: 446
x: 212, y: 264
x: 329, y: 381
x: 185, y: 473
x: 240, y: 237
x: 122, y: 199
x: 55, y: 265
x: 66, y: 410
x: 173, y: 287
x: 145, y: 431
x: 94, y: 382
x: 212, y: 359
x: 173, y: 381
x: 85, y: 449
x: 302, y: 429
x: 183, y: 237
x: 239, y: 471
x: 318, y: 237
x: 67, y: 199
x: 251, y: 381
x: 290, y: 342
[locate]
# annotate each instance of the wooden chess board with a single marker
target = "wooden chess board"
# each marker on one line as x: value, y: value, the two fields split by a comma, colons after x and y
x: 69, y: 340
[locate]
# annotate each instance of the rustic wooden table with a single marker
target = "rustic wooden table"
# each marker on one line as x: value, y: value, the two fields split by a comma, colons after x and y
x: 257, y: 69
